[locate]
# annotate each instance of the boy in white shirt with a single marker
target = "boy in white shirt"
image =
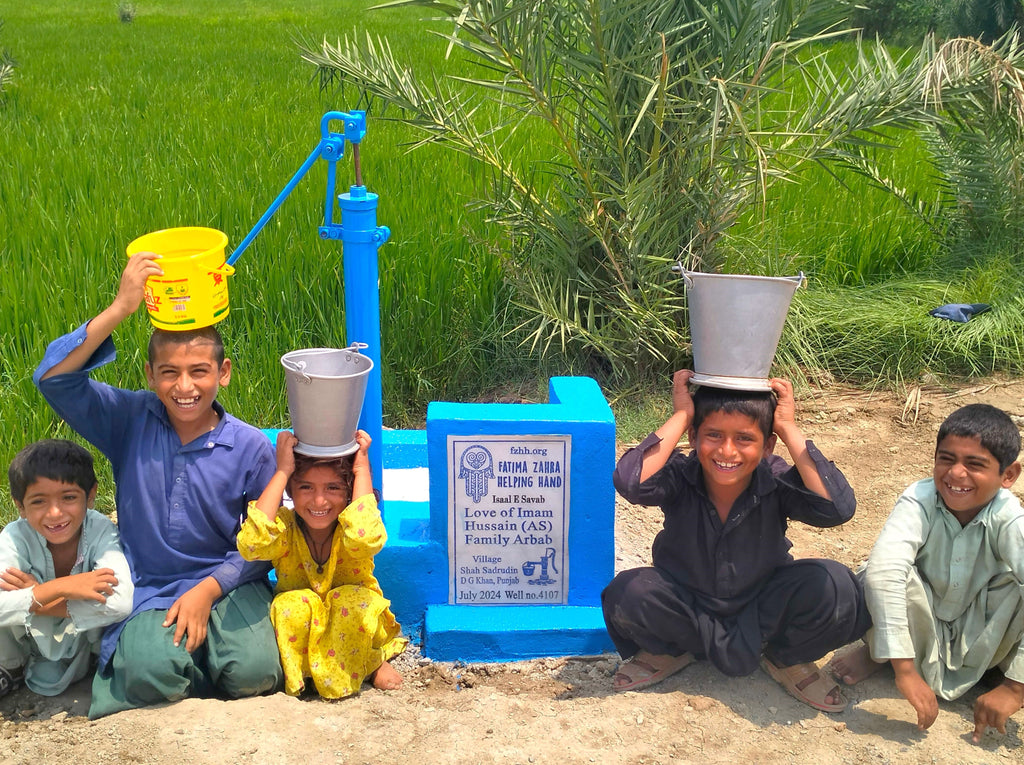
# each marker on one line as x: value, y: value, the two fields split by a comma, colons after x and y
x: 63, y: 576
x: 945, y: 580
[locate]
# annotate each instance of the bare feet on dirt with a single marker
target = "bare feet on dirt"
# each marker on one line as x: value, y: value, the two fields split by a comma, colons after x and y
x: 386, y: 678
x: 853, y: 664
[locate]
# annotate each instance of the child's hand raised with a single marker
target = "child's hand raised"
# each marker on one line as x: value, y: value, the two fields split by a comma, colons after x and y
x: 286, y: 441
x: 675, y: 427
x: 364, y: 441
x: 362, y: 482
x: 681, y: 400
x: 362, y: 458
x: 785, y: 409
x: 785, y: 427
x: 268, y: 503
x: 141, y: 266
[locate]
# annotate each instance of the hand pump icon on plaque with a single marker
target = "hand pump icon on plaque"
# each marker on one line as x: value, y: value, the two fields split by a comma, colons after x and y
x: 530, y: 566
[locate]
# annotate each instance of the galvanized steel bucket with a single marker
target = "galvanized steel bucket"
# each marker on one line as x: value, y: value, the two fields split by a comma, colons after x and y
x: 736, y: 322
x: 326, y: 387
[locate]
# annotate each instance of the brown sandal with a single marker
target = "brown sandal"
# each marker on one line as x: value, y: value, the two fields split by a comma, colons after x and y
x: 806, y: 683
x: 652, y: 669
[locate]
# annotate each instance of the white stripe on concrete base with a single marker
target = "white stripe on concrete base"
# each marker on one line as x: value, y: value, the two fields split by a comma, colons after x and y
x: 406, y: 484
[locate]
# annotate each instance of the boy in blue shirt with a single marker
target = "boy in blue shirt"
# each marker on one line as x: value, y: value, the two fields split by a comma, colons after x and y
x: 184, y: 470
x: 63, y: 576
x: 723, y: 585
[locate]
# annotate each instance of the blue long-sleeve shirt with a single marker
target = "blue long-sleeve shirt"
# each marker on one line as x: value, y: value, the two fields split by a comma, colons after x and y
x: 179, y: 506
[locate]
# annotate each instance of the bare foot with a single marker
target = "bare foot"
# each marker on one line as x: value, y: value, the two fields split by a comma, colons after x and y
x: 852, y: 664
x: 386, y: 678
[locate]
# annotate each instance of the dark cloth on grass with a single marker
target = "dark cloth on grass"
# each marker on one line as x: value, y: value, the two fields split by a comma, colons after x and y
x: 959, y: 312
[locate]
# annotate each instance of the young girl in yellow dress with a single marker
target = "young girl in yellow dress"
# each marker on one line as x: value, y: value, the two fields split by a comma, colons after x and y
x: 332, y: 621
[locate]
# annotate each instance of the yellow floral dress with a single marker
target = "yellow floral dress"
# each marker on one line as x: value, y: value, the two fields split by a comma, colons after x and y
x: 334, y: 626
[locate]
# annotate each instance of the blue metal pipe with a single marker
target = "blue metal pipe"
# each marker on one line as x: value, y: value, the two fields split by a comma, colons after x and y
x: 310, y: 160
x: 361, y: 237
x: 330, y: 148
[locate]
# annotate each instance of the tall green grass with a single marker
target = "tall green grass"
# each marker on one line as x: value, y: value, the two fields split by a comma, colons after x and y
x: 195, y: 114
x: 198, y: 114
x: 838, y: 228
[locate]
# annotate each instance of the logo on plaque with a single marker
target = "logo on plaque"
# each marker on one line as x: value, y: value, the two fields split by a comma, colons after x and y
x: 476, y: 466
x: 548, y: 559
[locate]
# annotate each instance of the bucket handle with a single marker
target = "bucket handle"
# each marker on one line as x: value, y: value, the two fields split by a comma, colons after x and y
x: 299, y: 367
x: 224, y: 269
x: 355, y: 348
x: 678, y: 269
x: 800, y: 279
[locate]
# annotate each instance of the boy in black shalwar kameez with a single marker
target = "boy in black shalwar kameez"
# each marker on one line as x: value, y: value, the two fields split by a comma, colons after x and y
x: 724, y: 586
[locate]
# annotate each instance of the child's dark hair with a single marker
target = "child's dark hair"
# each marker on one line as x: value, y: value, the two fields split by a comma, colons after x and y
x: 990, y: 425
x: 161, y: 338
x: 754, y: 404
x: 53, y: 458
x: 342, y: 466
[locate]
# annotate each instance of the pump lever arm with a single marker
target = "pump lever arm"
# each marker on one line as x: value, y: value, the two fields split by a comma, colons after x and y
x: 331, y: 148
x: 289, y: 187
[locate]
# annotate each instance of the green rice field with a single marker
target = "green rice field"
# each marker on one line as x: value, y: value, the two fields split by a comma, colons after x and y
x: 198, y: 114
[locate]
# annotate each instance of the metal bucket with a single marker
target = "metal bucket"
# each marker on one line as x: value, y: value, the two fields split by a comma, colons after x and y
x: 736, y: 322
x: 326, y: 387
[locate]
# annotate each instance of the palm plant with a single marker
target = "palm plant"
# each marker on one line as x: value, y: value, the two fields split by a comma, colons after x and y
x: 624, y: 135
x: 7, y: 65
x: 976, y: 148
x: 979, y: 149
x: 985, y: 19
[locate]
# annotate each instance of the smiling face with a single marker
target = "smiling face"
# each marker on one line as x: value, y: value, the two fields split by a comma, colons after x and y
x: 319, y: 496
x: 967, y: 476
x: 186, y: 378
x: 729, y: 446
x: 56, y: 510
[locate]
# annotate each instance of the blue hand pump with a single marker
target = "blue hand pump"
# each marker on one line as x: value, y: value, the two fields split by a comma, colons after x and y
x: 360, y: 237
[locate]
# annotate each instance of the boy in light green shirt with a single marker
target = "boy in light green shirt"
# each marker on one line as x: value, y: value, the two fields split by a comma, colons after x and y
x: 945, y: 580
x: 63, y: 575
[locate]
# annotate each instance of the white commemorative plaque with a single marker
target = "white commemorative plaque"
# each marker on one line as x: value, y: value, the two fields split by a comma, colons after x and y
x: 508, y: 519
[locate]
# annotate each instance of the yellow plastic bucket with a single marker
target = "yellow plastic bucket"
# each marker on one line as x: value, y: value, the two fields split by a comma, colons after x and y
x: 193, y: 291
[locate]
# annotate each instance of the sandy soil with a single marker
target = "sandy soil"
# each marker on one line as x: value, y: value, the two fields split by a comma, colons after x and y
x: 562, y: 710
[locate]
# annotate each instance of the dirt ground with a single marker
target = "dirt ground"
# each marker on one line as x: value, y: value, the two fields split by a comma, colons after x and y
x: 562, y: 710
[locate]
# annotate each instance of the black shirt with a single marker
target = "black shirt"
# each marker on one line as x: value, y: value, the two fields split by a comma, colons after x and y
x: 724, y: 565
